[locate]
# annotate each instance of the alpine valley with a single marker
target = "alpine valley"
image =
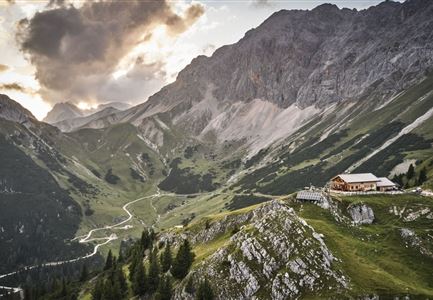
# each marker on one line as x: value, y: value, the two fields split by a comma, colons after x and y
x: 216, y: 158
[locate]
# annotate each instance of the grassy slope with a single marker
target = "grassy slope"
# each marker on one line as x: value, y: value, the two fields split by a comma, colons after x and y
x: 374, y: 256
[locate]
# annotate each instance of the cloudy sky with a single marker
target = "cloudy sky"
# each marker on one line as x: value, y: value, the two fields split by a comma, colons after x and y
x: 91, y: 52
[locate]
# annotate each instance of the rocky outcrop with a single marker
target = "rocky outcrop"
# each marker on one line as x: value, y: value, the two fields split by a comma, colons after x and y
x: 361, y: 214
x: 411, y: 239
x: 276, y: 253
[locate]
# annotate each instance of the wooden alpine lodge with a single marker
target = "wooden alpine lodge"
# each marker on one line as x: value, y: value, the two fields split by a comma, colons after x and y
x: 362, y: 182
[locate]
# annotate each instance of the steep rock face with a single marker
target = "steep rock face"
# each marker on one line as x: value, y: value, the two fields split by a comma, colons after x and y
x: 291, y: 68
x: 361, y: 214
x: 276, y: 253
x: 318, y: 57
x: 12, y: 111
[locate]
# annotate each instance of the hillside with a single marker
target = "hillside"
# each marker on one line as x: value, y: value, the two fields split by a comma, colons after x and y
x: 281, y: 245
x: 216, y: 157
x: 286, y: 249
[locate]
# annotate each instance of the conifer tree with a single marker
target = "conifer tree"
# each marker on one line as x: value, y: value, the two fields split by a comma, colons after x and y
x: 97, y: 290
x: 116, y: 293
x: 422, y: 177
x: 398, y: 179
x: 120, y: 278
x: 109, y: 261
x: 108, y: 291
x: 165, y: 289
x: 183, y: 260
x: 84, y: 273
x: 139, y: 282
x: 145, y: 239
x: 152, y: 235
x: 154, y: 271
x: 410, y: 172
x: 120, y: 259
x: 64, y: 291
x: 166, y: 258
x: 204, y: 291
x: 137, y: 258
x: 189, y: 287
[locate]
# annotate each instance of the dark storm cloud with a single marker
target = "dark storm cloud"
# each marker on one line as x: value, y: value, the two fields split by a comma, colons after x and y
x: 3, y: 68
x: 12, y: 86
x: 75, y: 50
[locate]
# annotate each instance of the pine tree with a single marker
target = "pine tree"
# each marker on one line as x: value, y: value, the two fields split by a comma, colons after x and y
x: 137, y: 258
x: 97, y: 290
x: 165, y: 289
x: 422, y: 177
x: 398, y: 179
x: 120, y: 278
x: 108, y: 291
x: 139, y: 282
x: 64, y: 291
x: 183, y: 260
x: 166, y: 258
x: 120, y: 259
x: 204, y: 291
x: 84, y: 273
x: 116, y: 293
x: 152, y: 235
x: 109, y: 261
x: 189, y: 287
x: 154, y: 271
x: 145, y: 239
x: 410, y: 172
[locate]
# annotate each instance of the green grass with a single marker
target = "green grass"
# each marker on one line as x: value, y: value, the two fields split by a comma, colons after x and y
x: 204, y: 250
x: 374, y: 256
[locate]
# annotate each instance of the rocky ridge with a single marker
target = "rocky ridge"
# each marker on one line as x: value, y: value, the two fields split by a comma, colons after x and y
x: 12, y: 111
x: 274, y: 253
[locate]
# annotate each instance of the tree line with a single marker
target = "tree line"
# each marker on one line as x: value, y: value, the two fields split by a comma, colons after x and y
x: 144, y: 269
x: 151, y: 272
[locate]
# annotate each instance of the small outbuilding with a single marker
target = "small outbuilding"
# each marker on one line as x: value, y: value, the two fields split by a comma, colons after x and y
x: 385, y: 185
x: 310, y: 196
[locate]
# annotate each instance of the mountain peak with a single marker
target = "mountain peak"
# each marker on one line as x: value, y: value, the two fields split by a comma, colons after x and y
x: 13, y: 111
x: 326, y: 8
x: 62, y: 111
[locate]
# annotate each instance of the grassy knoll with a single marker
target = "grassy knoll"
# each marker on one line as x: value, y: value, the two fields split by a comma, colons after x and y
x: 375, y: 257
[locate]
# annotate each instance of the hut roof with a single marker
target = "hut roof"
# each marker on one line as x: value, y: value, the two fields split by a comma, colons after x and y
x: 360, y: 177
x: 384, y: 182
x: 309, y: 195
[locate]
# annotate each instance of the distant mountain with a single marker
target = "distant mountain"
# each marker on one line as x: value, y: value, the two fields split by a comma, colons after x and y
x: 115, y: 105
x: 72, y: 124
x: 63, y: 111
x: 68, y: 111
